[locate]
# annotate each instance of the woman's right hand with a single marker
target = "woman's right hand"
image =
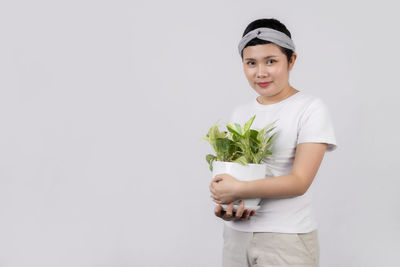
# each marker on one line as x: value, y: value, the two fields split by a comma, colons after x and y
x: 229, y: 214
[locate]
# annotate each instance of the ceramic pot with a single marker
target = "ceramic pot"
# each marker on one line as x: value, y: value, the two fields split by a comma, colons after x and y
x: 243, y: 173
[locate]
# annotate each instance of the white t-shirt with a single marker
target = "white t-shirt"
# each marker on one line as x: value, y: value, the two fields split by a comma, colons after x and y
x: 302, y: 118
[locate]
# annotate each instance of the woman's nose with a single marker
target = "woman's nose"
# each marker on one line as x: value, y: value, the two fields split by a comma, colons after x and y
x: 262, y: 71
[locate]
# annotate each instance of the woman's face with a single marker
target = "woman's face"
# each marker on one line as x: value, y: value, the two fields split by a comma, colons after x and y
x: 266, y: 63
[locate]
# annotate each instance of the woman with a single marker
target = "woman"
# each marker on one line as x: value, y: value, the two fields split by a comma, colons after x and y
x: 283, y: 231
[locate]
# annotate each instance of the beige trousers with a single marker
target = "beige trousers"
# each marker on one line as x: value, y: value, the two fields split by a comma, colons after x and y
x: 245, y: 249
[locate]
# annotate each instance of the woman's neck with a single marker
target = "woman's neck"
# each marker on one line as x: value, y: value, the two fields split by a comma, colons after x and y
x: 271, y: 100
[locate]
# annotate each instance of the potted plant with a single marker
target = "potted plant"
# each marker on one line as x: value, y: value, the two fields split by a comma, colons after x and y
x: 240, y: 152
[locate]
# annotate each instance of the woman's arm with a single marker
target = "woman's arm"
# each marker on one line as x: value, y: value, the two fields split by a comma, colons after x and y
x: 225, y: 188
x: 307, y: 160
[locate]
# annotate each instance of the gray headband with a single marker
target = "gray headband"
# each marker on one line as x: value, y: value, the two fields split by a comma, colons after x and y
x: 267, y: 34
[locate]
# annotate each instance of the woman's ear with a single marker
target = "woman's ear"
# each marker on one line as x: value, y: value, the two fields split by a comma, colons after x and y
x: 292, y: 60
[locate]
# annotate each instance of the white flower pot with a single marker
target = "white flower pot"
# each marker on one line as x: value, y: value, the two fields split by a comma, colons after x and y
x: 243, y: 173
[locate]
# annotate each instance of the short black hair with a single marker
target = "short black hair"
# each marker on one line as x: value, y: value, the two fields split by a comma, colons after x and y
x: 271, y: 23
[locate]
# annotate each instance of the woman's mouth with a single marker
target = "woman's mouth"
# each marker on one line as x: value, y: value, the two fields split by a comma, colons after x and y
x: 263, y: 85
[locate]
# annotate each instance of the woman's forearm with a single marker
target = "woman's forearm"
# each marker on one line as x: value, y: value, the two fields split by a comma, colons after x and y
x: 281, y: 186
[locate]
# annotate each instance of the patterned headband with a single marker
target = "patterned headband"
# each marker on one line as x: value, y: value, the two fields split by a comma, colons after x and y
x: 267, y: 34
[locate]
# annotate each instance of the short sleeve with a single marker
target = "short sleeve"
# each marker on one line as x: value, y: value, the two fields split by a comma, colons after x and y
x: 315, y: 125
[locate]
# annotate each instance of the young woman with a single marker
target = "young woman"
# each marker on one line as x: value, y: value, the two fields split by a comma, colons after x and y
x: 283, y: 231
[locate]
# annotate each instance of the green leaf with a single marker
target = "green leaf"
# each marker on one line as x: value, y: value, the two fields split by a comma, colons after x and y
x: 271, y: 138
x: 253, y: 134
x: 242, y: 160
x: 210, y: 158
x: 223, y: 144
x: 254, y: 143
x: 235, y: 128
x: 248, y: 124
x: 264, y: 131
x: 236, y: 138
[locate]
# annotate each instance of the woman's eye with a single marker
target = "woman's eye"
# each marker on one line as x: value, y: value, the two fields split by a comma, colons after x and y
x: 270, y: 60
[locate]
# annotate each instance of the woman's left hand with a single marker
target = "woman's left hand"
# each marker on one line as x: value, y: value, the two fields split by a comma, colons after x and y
x: 224, y: 188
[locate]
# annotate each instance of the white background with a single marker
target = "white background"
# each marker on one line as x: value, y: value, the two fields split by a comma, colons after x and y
x: 103, y: 103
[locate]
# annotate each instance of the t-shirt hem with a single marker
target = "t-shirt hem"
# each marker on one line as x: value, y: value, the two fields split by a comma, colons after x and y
x: 273, y: 229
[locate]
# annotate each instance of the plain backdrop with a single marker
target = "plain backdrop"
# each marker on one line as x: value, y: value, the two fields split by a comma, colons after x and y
x: 103, y: 104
